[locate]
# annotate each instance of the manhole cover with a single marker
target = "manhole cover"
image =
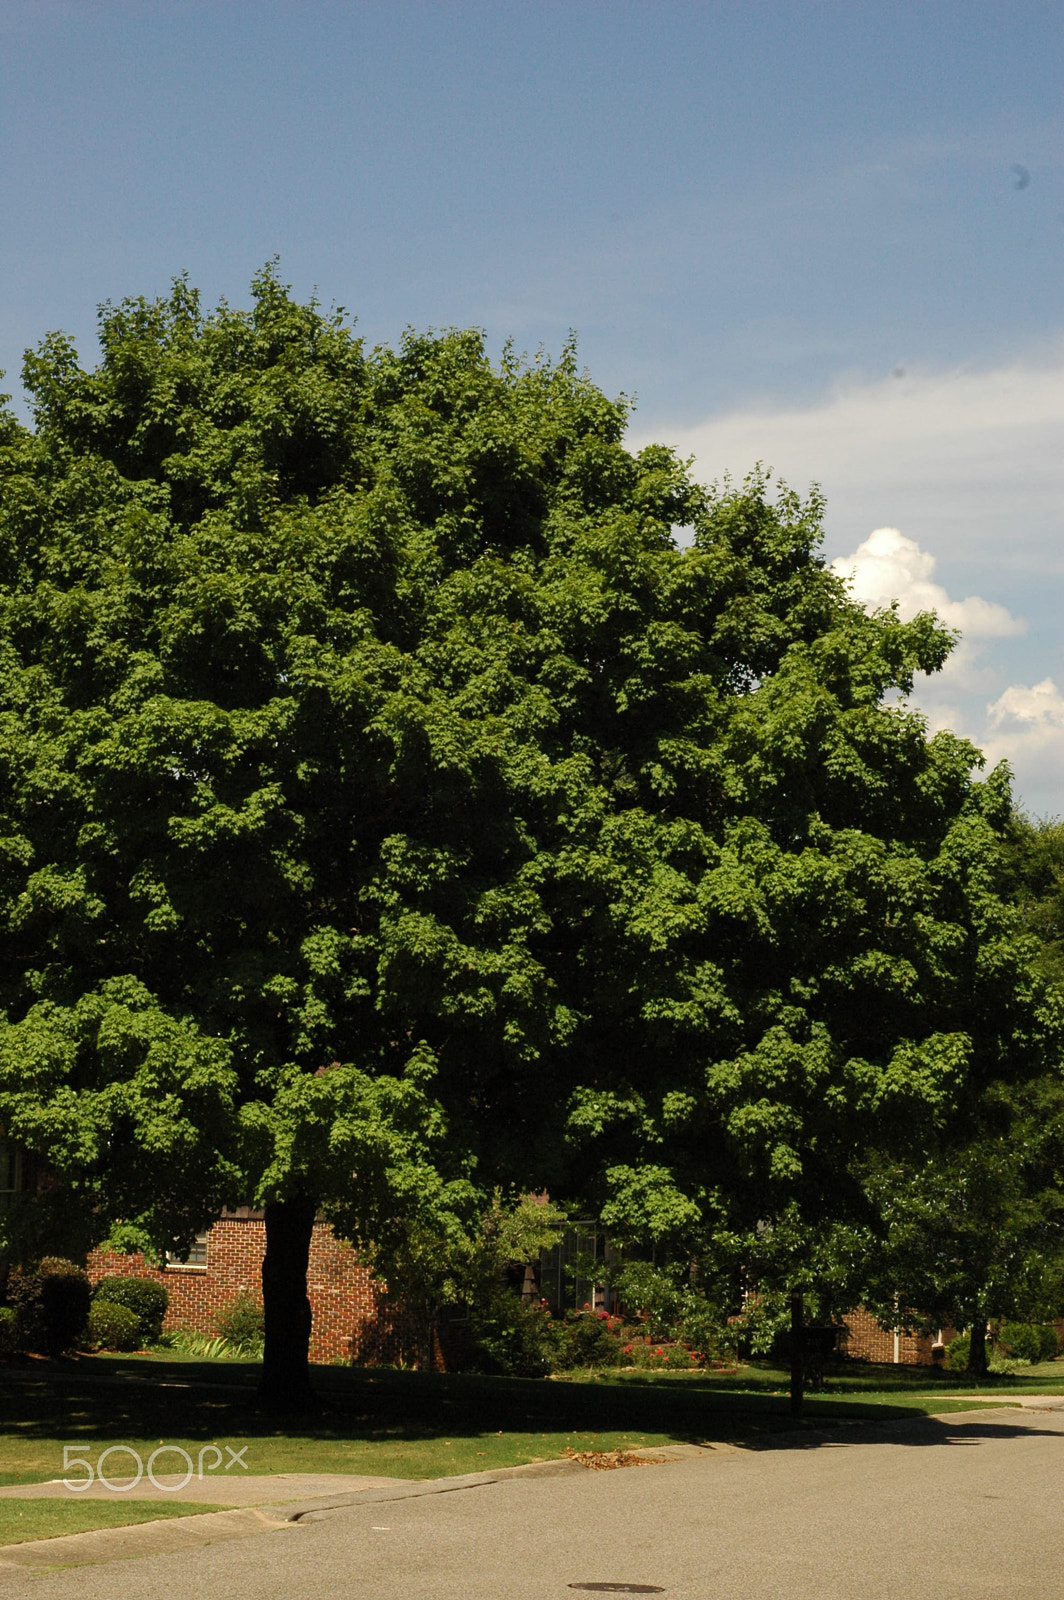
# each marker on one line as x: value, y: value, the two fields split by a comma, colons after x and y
x: 619, y: 1588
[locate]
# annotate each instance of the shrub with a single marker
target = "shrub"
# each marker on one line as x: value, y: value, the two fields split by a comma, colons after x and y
x: 703, y: 1330
x: 147, y: 1300
x: 664, y: 1357
x: 588, y: 1339
x: 512, y: 1336
x: 8, y: 1331
x: 192, y: 1343
x: 653, y: 1295
x: 1048, y: 1340
x: 957, y: 1352
x: 674, y: 1311
x: 112, y: 1326
x: 1020, y: 1341
x: 51, y: 1302
x: 242, y: 1326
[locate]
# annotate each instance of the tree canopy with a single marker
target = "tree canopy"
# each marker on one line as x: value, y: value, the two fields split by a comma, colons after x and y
x: 392, y: 808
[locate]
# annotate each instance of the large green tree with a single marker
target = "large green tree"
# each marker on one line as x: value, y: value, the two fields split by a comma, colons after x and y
x: 392, y: 809
x: 803, y: 963
x: 303, y: 654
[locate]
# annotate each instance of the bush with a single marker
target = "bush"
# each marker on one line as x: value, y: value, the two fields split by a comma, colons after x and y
x: 513, y: 1336
x: 1020, y: 1341
x: 189, y: 1342
x: 242, y: 1326
x: 674, y: 1311
x: 1025, y: 1341
x: 588, y: 1339
x: 654, y: 1296
x: 8, y: 1331
x: 957, y: 1352
x: 1048, y: 1341
x: 644, y: 1353
x: 51, y: 1302
x: 147, y: 1300
x: 112, y: 1327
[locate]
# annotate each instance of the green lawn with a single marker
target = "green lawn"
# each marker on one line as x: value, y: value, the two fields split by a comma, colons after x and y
x: 420, y: 1425
x: 21, y: 1520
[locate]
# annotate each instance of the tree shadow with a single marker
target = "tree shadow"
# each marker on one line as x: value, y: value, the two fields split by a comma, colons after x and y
x: 962, y: 1429
x: 106, y: 1399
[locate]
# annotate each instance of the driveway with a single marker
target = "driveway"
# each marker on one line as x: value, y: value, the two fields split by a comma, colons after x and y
x: 962, y: 1507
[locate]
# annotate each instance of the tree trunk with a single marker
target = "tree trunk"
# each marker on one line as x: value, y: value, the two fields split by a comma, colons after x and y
x: 285, y: 1381
x: 977, y: 1364
x: 423, y: 1343
x: 797, y: 1353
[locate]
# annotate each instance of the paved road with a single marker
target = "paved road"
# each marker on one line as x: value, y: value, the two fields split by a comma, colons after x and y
x: 965, y: 1507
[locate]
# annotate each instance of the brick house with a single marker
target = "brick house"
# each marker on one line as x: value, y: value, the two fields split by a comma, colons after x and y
x: 866, y: 1339
x: 353, y: 1318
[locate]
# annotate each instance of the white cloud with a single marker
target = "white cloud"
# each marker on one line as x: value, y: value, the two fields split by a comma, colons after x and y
x: 1040, y: 707
x: 888, y: 567
x: 968, y: 462
x: 1024, y: 725
x: 1026, y: 729
x: 969, y: 465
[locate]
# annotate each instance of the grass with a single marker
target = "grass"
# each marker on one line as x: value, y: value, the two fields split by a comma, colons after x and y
x: 426, y: 1425
x: 22, y: 1520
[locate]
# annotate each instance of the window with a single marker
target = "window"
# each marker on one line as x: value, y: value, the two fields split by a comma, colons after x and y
x: 197, y: 1255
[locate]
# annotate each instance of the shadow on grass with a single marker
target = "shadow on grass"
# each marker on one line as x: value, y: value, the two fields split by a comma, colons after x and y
x: 151, y: 1399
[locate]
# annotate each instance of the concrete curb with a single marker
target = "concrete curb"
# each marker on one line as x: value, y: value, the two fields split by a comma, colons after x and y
x: 140, y: 1539
x: 417, y: 1488
x: 162, y: 1537
x: 183, y: 1533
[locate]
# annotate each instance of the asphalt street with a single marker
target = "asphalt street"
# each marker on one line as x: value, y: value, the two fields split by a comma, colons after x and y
x: 964, y: 1507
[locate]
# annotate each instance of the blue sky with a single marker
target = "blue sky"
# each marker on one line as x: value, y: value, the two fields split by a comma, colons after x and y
x: 826, y: 236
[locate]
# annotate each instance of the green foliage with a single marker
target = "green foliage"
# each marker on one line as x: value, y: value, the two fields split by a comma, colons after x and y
x: 385, y: 793
x: 672, y: 1307
x: 147, y: 1300
x: 513, y: 1336
x: 241, y: 1325
x: 464, y: 1260
x: 1037, y: 862
x: 647, y: 1355
x: 957, y: 1353
x: 588, y: 1339
x: 112, y: 1326
x: 187, y: 1341
x: 1048, y: 1341
x: 1025, y: 1341
x: 653, y: 1295
x: 977, y: 1227
x: 301, y: 712
x: 8, y: 1330
x: 128, y: 1239
x: 1020, y: 1340
x: 51, y: 1301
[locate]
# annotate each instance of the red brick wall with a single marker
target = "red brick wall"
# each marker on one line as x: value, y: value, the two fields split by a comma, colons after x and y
x: 352, y: 1317
x: 867, y: 1340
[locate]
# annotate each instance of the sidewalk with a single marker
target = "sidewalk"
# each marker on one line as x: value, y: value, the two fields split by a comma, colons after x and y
x: 865, y: 1510
x: 214, y: 1488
